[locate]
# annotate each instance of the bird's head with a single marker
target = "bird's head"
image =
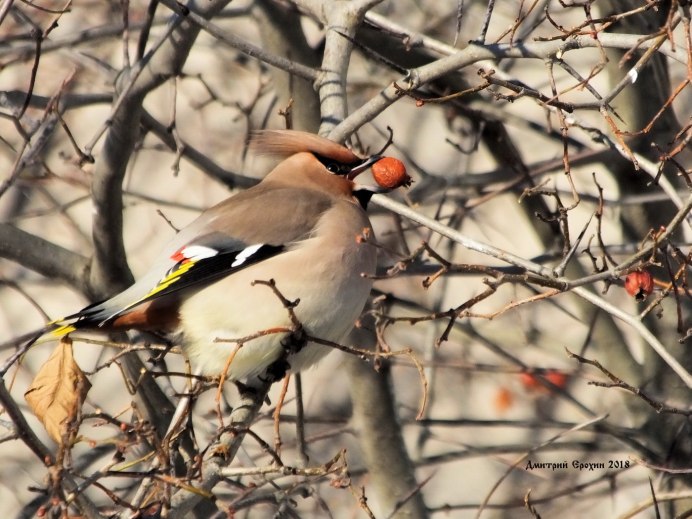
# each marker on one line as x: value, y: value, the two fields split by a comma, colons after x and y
x: 329, y: 164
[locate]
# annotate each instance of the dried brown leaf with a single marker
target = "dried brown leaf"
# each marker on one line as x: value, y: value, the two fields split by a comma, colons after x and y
x: 58, y: 391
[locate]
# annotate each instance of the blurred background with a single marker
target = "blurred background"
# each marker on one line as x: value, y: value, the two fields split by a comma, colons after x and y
x: 119, y: 123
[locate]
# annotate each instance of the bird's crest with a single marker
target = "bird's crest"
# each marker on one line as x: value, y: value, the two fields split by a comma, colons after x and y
x: 288, y: 142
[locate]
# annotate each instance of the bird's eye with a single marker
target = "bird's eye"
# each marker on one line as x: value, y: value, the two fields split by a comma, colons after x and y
x: 333, y: 166
x: 337, y: 168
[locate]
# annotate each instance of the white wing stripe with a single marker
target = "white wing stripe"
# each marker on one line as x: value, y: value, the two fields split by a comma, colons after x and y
x: 198, y: 252
x: 246, y: 253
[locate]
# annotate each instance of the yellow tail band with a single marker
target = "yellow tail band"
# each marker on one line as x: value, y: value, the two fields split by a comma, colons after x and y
x: 61, y: 330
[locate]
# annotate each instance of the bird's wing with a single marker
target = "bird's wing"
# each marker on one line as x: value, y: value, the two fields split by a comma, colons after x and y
x: 225, y: 239
x: 195, y: 264
x: 200, y: 262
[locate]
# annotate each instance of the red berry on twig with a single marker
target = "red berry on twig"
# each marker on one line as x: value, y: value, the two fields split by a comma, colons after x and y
x: 639, y: 284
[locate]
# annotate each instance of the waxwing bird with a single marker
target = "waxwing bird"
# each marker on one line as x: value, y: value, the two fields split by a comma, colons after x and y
x: 304, y: 227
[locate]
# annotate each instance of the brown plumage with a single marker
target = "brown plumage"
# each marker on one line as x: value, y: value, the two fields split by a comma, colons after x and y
x: 302, y: 227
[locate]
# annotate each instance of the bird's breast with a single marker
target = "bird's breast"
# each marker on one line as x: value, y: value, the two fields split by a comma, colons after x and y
x: 327, y: 273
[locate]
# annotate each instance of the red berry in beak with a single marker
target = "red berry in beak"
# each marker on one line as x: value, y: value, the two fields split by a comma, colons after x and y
x: 390, y: 173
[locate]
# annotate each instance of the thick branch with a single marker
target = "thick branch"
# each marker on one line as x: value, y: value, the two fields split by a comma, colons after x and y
x: 471, y: 54
x: 241, y: 418
x: 380, y: 438
x: 42, y: 256
x: 110, y: 271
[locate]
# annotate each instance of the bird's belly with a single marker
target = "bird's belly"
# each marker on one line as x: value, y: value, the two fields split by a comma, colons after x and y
x: 240, y: 315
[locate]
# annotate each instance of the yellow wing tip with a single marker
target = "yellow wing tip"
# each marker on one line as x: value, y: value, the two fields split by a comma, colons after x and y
x: 62, y: 330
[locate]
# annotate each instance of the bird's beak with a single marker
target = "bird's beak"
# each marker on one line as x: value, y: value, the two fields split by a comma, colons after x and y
x: 357, y: 170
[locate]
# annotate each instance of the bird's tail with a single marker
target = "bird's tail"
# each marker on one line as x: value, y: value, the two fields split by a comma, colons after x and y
x: 22, y: 343
x: 61, y: 327
x: 51, y: 331
x: 89, y: 317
